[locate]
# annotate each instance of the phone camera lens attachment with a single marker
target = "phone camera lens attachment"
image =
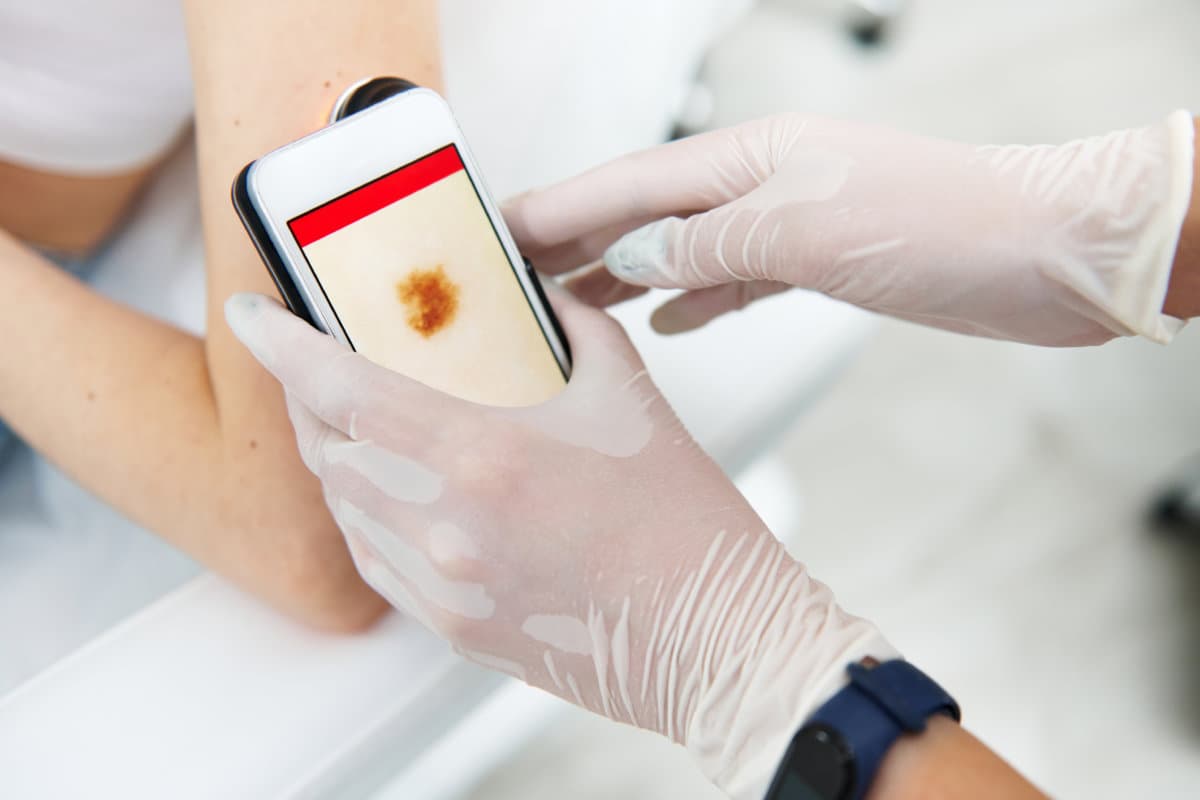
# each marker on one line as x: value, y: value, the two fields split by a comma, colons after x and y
x: 366, y: 93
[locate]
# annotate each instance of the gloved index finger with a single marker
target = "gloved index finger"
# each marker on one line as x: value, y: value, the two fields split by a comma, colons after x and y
x: 674, y: 179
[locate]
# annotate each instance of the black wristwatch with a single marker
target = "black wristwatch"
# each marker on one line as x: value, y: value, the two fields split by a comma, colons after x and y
x: 837, y: 752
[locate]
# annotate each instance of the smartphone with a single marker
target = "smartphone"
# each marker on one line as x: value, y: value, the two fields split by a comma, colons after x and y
x: 379, y: 231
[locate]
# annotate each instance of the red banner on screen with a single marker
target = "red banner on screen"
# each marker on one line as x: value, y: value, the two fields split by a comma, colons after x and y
x: 366, y: 200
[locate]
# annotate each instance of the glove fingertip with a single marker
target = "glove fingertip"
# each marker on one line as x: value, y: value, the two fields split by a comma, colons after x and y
x: 641, y: 256
x: 241, y: 310
x: 244, y: 314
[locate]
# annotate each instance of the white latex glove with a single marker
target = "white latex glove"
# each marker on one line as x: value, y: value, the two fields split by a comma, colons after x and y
x: 587, y: 545
x: 1055, y: 245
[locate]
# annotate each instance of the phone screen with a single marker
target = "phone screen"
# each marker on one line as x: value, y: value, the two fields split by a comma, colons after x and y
x: 415, y: 272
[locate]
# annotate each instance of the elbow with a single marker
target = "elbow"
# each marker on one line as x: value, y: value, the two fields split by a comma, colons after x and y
x: 320, y: 587
x: 346, y: 608
x: 299, y: 563
x: 274, y: 534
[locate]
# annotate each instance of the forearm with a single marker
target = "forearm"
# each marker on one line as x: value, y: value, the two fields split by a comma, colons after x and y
x: 103, y: 391
x: 124, y: 404
x: 1183, y: 292
x: 947, y: 763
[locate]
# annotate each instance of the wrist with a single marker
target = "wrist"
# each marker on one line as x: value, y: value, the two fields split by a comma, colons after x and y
x: 911, y: 767
x: 1183, y: 290
x: 945, y: 761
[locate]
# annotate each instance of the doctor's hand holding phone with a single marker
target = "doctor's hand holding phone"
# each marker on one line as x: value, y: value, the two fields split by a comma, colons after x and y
x: 578, y: 539
x: 379, y: 231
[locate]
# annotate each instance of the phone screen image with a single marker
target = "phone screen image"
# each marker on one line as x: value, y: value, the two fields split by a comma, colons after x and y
x: 415, y: 272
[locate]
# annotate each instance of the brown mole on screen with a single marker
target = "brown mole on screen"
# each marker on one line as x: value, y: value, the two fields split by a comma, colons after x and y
x: 430, y: 298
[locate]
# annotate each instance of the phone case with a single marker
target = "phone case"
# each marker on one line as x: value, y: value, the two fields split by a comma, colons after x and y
x: 354, y: 100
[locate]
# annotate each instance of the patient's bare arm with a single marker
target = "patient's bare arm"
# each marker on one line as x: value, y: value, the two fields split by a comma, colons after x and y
x: 68, y: 214
x: 189, y: 436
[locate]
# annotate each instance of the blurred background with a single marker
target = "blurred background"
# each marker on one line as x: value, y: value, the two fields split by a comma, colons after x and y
x: 985, y: 503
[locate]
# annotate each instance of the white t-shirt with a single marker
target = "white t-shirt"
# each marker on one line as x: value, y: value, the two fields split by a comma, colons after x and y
x: 91, y: 86
x: 95, y: 86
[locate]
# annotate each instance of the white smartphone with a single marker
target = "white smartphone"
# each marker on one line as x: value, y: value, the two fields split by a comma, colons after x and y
x: 379, y: 231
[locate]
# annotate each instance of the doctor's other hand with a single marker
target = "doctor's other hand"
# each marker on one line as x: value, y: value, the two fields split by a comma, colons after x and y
x: 586, y: 545
x: 1055, y: 245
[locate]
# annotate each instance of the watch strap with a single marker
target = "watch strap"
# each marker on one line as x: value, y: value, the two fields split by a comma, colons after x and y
x: 838, y: 751
x: 877, y: 707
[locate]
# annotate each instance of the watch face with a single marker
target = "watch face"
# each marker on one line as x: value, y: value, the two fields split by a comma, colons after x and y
x: 818, y: 766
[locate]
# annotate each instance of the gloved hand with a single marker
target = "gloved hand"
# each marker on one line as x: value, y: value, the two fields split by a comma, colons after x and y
x: 586, y: 545
x: 1055, y: 245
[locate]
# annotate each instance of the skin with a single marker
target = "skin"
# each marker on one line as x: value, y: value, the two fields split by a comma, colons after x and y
x: 189, y: 437
x: 945, y: 762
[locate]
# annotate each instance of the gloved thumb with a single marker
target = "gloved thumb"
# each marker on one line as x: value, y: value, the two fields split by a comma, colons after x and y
x: 706, y: 249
